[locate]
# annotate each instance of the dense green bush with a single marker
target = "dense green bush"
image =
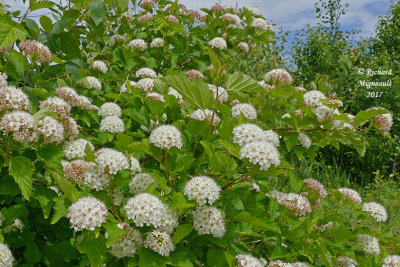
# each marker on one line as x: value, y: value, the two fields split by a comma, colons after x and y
x: 116, y: 151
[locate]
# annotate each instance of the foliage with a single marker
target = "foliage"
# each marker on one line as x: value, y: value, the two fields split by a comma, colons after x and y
x: 70, y: 202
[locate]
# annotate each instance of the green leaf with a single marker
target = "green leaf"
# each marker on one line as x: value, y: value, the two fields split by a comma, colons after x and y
x: 89, y: 154
x: 215, y: 258
x: 246, y: 217
x: 45, y: 196
x: 123, y: 5
x: 179, y: 201
x: 10, y: 32
x: 97, y: 10
x: 195, y: 92
x: 149, y: 258
x: 181, y: 232
x: 94, y: 248
x: 114, y: 233
x: 238, y: 82
x: 35, y: 5
x: 363, y: 116
x: 60, y: 207
x: 38, y: 116
x: 21, y: 168
x: 295, y: 183
x: 214, y: 60
x: 46, y: 23
x: 60, y: 25
x: 32, y: 253
x: 232, y: 148
x: 66, y: 186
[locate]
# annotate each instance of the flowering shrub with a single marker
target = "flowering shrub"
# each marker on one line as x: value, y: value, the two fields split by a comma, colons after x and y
x: 122, y: 146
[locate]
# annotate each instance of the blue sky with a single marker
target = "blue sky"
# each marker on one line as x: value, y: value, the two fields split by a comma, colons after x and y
x: 291, y: 15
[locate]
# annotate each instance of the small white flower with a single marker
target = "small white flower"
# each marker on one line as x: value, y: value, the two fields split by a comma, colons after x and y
x: 279, y: 77
x: 52, y: 130
x: 91, y: 82
x: 76, y: 148
x: 218, y: 42
x: 157, y: 42
x: 351, y: 194
x: 202, y: 189
x: 99, y: 65
x: 166, y: 136
x: 304, y: 140
x: 111, y: 159
x: 262, y: 153
x: 391, y: 261
x: 146, y: 73
x: 87, y: 213
x: 246, y: 260
x: 139, y: 44
x: 135, y: 165
x: 159, y: 242
x: 109, y: 109
x: 127, y: 245
x: 145, y: 84
x: 369, y: 243
x: 376, y: 210
x: 6, y: 257
x: 140, y: 182
x: 112, y: 124
x: 312, y: 98
x: 246, y: 108
x: 261, y: 24
x: 209, y: 220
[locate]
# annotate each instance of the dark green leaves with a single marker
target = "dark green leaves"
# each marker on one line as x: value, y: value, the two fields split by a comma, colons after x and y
x: 181, y: 232
x: 97, y: 10
x: 246, y: 217
x: 21, y: 168
x: 195, y: 92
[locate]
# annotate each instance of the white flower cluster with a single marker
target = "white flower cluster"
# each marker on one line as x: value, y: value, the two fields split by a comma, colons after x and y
x: 87, y: 213
x: 246, y: 260
x: 74, y: 170
x: 351, y: 194
x: 376, y: 210
x: 304, y: 140
x: 146, y: 209
x: 146, y: 73
x: 157, y: 42
x: 369, y: 243
x: 91, y: 82
x: 111, y: 159
x: 219, y: 93
x: 6, y: 257
x: 95, y: 177
x: 325, y: 113
x: 345, y: 262
x: 391, y: 261
x: 244, y: 47
x: 57, y: 105
x: 383, y: 121
x: 36, y: 49
x: 3, y: 79
x: 127, y: 245
x: 76, y: 148
x: 205, y: 115
x: 51, y: 129
x: 209, y: 220
x: 99, y: 65
x: 166, y: 136
x: 316, y: 186
x: 138, y: 44
x: 140, y: 182
x: 155, y: 96
x: 21, y: 124
x: 159, y: 242
x: 255, y: 11
x: 202, y: 189
x: 191, y: 74
x: 145, y: 18
x: 124, y: 89
x: 231, y: 18
x: 145, y: 84
x: 246, y: 108
x: 18, y: 225
x: 73, y: 99
x: 112, y: 124
x: 279, y: 77
x: 109, y: 109
x: 312, y: 98
x: 218, y: 42
x: 111, y: 121
x: 116, y: 38
x: 12, y: 98
x: 247, y: 133
x: 261, y: 24
x: 298, y: 203
x: 135, y: 165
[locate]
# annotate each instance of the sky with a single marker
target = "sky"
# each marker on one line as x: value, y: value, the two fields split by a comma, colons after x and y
x: 291, y: 15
